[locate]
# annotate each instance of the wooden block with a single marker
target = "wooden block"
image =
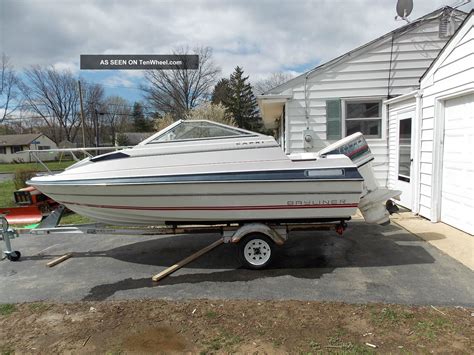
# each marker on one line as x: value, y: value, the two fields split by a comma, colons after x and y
x: 59, y: 260
x: 183, y: 262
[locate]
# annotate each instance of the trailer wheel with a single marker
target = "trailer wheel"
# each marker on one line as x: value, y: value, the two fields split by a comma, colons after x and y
x: 256, y: 251
x: 14, y: 256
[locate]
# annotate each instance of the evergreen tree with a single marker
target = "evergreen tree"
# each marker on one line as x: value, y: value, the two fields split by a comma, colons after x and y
x: 140, y: 122
x: 221, y: 91
x: 241, y: 102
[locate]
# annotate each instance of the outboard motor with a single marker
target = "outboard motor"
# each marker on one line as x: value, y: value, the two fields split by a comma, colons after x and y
x: 373, y: 201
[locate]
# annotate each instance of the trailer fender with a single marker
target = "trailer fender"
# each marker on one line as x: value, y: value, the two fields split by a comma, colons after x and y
x: 277, y: 234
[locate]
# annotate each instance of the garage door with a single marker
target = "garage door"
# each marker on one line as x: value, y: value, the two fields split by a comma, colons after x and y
x: 457, y: 195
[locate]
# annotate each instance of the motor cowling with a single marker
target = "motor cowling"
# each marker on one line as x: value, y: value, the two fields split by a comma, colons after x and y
x: 373, y: 200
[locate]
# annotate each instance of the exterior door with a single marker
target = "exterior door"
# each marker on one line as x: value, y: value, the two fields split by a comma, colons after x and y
x: 457, y: 192
x: 404, y: 161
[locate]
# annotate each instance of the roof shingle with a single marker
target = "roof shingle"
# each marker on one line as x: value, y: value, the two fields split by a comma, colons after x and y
x: 18, y: 139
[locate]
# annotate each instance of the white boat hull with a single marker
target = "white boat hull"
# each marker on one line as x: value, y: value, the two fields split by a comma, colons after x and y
x: 210, y: 202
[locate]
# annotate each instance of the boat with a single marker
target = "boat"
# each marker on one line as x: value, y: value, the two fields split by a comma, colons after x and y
x: 199, y: 171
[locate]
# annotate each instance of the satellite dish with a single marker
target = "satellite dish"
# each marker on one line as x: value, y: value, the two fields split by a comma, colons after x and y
x: 404, y: 8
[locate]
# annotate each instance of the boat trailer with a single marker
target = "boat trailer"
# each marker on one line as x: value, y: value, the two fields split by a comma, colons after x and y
x: 257, y: 240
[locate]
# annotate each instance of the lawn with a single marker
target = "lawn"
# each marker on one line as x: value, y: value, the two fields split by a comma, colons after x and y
x: 6, y: 193
x: 227, y: 326
x: 53, y: 165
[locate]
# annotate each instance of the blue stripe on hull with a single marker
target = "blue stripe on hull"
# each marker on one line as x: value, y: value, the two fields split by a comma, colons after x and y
x: 278, y: 175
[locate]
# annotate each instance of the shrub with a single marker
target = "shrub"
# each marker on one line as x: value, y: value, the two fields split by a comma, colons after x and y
x: 122, y: 140
x: 22, y: 175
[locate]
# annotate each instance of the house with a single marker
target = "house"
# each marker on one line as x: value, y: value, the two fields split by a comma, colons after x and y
x: 346, y: 94
x: 14, y: 147
x: 431, y: 136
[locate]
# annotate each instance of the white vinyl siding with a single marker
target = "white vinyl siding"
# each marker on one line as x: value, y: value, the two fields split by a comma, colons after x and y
x: 453, y: 74
x: 408, y: 105
x: 369, y: 75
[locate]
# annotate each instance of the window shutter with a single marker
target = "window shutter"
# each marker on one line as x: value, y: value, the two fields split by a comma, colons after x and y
x: 333, y: 119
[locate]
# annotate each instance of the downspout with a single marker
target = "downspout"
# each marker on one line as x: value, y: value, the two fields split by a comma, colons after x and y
x: 417, y: 165
x: 306, y: 98
x: 305, y: 89
x: 286, y: 128
x: 390, y: 67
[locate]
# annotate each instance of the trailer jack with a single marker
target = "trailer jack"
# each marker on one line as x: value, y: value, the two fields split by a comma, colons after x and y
x: 7, y: 234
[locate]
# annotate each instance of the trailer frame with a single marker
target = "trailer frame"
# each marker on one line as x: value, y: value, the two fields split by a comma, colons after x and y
x: 256, y: 239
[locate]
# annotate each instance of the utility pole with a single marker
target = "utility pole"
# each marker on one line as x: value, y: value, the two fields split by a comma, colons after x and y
x: 82, y: 116
x: 96, y: 127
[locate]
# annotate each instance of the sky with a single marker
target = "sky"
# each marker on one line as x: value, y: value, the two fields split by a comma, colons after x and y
x: 262, y: 36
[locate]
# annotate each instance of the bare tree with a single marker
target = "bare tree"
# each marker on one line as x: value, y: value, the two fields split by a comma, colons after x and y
x: 271, y: 82
x: 116, y: 116
x: 54, y: 96
x: 94, y: 109
x: 179, y: 90
x: 9, y: 93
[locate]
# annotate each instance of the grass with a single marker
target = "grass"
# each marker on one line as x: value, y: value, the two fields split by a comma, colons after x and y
x: 6, y: 350
x: 38, y: 307
x: 7, y: 309
x: 390, y: 316
x: 52, y: 165
x: 430, y: 328
x: 73, y: 218
x: 6, y: 193
x: 224, y: 341
x: 211, y: 314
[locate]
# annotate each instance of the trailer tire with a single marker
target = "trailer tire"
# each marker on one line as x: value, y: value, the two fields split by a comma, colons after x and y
x: 14, y: 256
x: 256, y: 251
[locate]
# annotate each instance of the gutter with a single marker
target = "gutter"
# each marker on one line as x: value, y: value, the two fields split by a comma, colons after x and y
x: 401, y: 97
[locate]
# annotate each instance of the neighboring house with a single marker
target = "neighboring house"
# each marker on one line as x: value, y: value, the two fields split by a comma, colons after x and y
x: 13, y: 147
x: 431, y: 136
x: 345, y: 95
x: 133, y: 138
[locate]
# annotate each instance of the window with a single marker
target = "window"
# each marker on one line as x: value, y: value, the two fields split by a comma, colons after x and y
x: 364, y: 117
x: 3, y: 150
x: 191, y: 130
x: 16, y: 148
x: 44, y: 147
x: 404, y: 150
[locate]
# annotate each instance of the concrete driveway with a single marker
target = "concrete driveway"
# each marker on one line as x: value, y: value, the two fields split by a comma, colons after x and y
x: 368, y: 264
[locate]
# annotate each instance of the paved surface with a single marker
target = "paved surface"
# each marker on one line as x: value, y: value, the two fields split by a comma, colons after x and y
x: 369, y: 263
x: 449, y: 240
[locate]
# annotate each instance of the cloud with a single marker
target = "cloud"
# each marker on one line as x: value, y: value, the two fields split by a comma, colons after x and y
x: 118, y: 81
x: 262, y: 36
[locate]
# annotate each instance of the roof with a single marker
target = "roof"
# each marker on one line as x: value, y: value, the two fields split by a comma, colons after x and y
x: 408, y: 27
x: 452, y: 39
x: 18, y: 139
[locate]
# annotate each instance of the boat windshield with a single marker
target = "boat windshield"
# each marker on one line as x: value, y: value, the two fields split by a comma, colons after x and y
x: 192, y: 130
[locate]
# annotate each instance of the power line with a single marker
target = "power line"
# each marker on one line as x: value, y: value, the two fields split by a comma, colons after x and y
x: 100, y: 104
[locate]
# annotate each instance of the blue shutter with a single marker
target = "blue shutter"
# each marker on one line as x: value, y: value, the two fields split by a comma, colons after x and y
x: 333, y: 119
